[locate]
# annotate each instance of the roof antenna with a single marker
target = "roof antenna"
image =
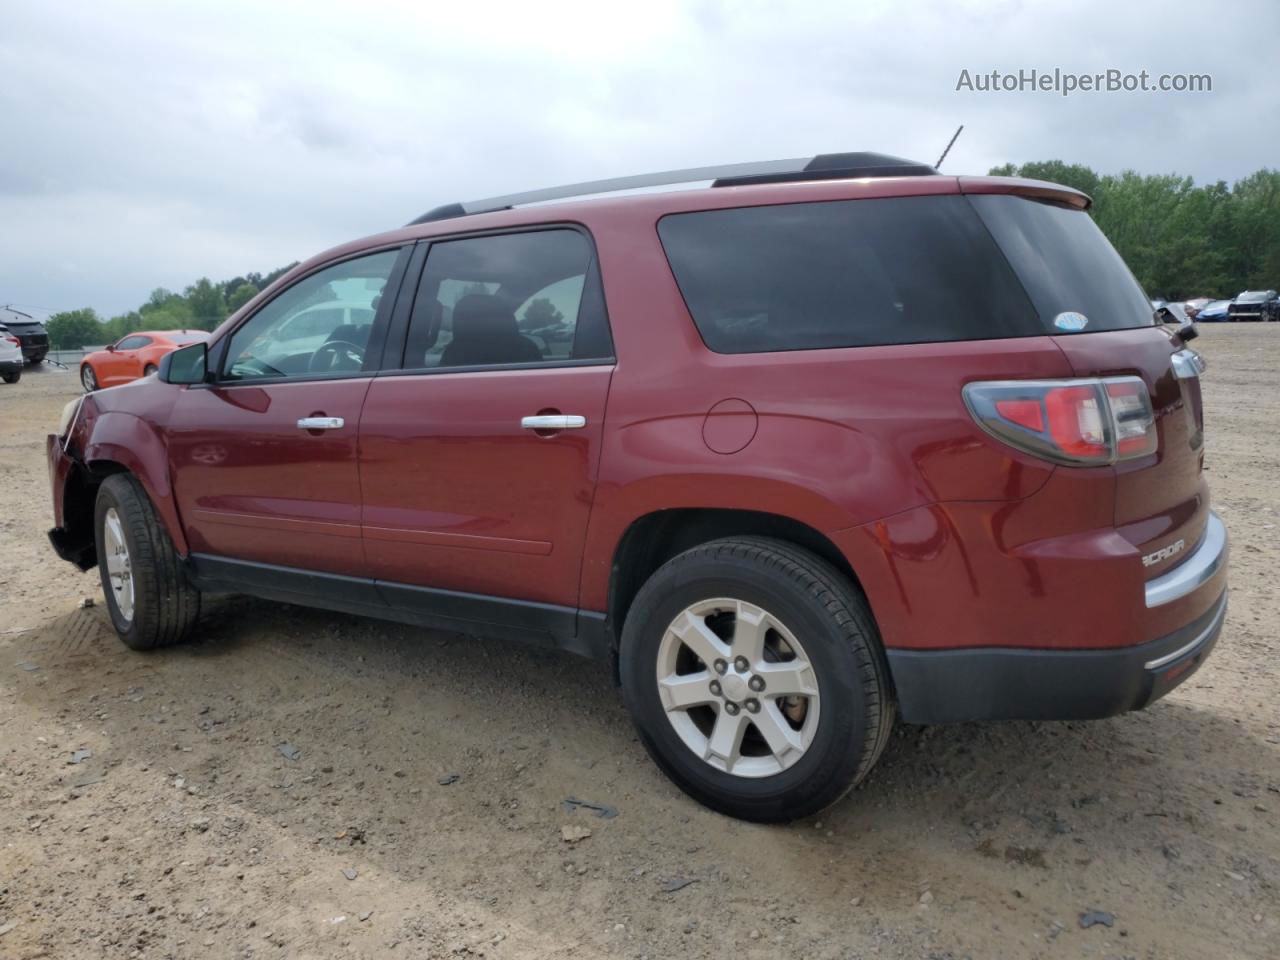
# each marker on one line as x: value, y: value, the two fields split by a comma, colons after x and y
x: 949, y: 146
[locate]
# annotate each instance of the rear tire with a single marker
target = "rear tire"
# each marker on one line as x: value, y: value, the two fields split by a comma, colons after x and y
x: 149, y: 369
x: 149, y: 599
x: 13, y: 377
x: 88, y: 379
x: 797, y: 754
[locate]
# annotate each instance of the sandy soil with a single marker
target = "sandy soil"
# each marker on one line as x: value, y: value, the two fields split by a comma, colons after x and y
x: 188, y: 832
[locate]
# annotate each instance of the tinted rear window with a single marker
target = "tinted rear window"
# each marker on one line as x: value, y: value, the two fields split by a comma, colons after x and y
x: 844, y: 273
x: 1065, y: 263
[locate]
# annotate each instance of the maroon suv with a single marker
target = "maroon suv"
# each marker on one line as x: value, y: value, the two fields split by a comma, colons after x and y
x: 827, y: 441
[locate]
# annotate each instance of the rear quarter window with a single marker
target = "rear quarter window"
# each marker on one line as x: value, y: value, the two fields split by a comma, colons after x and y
x: 844, y: 273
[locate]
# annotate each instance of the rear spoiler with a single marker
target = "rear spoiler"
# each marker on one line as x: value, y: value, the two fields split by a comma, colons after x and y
x: 1035, y: 189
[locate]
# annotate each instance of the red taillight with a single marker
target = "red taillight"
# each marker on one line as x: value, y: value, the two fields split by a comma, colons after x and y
x: 14, y: 340
x: 1079, y: 422
x: 1076, y: 422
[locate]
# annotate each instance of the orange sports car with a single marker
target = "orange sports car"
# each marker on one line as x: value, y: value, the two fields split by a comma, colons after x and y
x: 132, y: 356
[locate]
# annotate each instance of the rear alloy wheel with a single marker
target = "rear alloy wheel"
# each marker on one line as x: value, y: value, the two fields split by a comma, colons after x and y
x: 755, y: 678
x: 149, y: 599
x: 88, y: 379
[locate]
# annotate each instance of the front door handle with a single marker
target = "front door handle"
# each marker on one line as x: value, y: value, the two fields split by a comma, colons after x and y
x: 553, y: 421
x: 321, y: 423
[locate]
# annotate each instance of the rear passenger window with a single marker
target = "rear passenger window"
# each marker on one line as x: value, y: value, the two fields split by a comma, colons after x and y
x: 518, y: 298
x: 844, y: 273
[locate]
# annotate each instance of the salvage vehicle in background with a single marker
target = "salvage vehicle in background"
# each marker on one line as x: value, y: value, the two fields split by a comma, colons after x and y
x: 1195, y: 305
x: 132, y: 356
x: 1255, y: 305
x: 11, y: 360
x: 31, y: 334
x: 1215, y: 311
x: 833, y: 441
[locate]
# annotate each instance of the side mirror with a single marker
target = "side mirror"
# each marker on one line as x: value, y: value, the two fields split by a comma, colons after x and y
x: 186, y: 365
x: 111, y: 348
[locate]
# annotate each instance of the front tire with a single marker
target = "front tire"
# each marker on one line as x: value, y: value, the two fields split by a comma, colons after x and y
x: 149, y: 599
x: 88, y: 379
x: 754, y: 674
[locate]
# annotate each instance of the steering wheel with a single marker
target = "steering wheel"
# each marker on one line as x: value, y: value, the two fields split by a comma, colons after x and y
x: 336, y: 356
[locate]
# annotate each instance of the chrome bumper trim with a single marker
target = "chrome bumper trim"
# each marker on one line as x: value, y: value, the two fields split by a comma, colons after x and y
x: 1207, y: 632
x: 1195, y: 571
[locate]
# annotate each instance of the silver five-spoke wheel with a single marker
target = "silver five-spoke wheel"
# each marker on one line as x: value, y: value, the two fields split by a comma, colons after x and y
x: 119, y: 565
x: 737, y: 687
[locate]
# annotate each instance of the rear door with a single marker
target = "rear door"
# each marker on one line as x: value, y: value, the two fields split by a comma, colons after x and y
x: 479, y: 455
x: 264, y: 459
x: 1071, y: 273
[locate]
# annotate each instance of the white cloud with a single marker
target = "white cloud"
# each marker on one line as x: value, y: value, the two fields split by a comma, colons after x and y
x: 147, y: 145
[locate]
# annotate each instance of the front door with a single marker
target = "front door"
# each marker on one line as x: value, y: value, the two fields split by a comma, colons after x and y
x: 264, y: 459
x: 123, y: 363
x: 478, y: 458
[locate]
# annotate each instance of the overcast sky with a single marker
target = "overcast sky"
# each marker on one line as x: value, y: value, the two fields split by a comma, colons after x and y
x: 149, y: 145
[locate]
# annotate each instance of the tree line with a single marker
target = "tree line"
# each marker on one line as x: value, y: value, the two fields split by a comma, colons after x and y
x: 201, y: 306
x: 1181, y: 241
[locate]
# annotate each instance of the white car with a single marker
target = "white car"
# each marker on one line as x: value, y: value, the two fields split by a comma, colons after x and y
x: 11, y: 361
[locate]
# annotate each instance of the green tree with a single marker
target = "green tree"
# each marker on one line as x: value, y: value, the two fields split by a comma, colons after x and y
x: 73, y: 329
x: 206, y: 303
x: 241, y: 295
x: 540, y: 313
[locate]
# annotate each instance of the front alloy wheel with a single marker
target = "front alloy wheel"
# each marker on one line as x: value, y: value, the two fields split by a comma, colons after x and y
x: 87, y: 379
x: 119, y: 566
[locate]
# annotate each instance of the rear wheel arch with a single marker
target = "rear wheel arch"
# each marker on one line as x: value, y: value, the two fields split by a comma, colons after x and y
x: 653, y: 539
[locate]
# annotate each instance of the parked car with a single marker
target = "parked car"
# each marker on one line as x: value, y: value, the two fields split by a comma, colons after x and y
x: 1214, y: 311
x: 1195, y: 305
x: 31, y: 334
x: 132, y: 356
x: 11, y: 360
x: 847, y: 442
x: 1254, y: 305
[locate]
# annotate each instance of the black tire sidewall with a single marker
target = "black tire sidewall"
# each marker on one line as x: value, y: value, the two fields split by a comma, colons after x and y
x: 823, y: 774
x: 124, y: 499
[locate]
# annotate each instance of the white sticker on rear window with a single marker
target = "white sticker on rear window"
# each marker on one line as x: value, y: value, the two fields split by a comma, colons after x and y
x: 1070, y: 320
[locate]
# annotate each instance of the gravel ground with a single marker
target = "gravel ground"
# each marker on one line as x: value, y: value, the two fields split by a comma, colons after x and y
x: 304, y: 784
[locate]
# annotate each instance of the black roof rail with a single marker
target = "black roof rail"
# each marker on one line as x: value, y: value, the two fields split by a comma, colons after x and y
x: 825, y: 166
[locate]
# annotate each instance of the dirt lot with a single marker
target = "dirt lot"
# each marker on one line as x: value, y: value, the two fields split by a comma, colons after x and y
x: 187, y: 831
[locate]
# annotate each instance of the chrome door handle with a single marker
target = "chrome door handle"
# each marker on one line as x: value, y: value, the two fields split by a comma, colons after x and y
x: 555, y: 421
x: 321, y: 423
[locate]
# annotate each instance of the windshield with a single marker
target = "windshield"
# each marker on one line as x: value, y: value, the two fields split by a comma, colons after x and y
x: 1069, y: 269
x: 1252, y: 296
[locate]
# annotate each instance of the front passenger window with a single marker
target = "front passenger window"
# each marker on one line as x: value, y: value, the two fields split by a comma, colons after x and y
x: 320, y: 326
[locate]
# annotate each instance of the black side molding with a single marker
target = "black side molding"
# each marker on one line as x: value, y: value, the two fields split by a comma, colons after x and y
x: 542, y: 624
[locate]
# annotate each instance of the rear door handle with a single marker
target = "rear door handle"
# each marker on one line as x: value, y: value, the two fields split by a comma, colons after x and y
x: 321, y: 423
x: 553, y: 421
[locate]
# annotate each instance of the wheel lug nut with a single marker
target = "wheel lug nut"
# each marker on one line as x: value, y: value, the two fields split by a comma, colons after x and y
x: 731, y: 708
x: 740, y: 664
x: 756, y: 684
x: 721, y: 666
x: 753, y: 705
x: 715, y: 687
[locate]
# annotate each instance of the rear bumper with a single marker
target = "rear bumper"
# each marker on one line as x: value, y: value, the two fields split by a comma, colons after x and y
x: 948, y: 686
